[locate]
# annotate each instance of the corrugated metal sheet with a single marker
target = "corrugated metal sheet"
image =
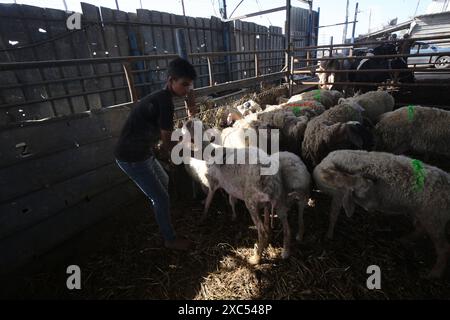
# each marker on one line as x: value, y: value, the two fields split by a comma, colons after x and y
x: 431, y: 25
x: 299, y: 27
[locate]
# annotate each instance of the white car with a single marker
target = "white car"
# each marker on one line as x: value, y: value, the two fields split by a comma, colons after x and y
x: 439, y: 61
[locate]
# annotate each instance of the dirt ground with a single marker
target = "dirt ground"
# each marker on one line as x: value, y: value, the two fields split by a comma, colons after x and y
x: 123, y: 258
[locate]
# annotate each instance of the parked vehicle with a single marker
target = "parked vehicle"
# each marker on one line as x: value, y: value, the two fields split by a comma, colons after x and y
x: 439, y: 61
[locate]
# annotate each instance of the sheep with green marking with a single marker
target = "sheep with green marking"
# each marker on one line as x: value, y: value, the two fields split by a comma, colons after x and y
x: 374, y: 103
x: 414, y: 129
x: 384, y: 182
x: 328, y: 98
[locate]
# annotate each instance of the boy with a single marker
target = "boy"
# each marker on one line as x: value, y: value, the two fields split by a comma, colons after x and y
x: 150, y: 120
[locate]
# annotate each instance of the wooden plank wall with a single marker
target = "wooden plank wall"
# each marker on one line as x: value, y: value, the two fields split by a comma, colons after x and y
x: 44, y: 93
x: 54, y: 185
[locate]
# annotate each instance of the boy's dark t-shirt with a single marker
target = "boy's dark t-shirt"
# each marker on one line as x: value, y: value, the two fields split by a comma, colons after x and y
x: 141, y: 131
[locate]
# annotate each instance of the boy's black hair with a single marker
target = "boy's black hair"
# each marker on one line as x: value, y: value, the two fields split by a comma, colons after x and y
x: 181, y: 68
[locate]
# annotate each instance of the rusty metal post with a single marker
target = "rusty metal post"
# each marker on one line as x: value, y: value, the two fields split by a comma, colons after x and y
x: 331, y: 46
x: 288, y: 43
x: 130, y: 81
x: 210, y: 72
x: 256, y: 66
x: 291, y: 77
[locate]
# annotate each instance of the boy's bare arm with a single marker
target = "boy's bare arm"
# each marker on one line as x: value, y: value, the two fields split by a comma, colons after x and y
x: 190, y: 104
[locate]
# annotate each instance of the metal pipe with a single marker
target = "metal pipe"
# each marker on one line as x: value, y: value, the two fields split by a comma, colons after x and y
x: 333, y: 25
x: 375, y: 70
x: 344, y: 35
x: 130, y: 82
x: 287, y: 44
x: 254, y: 14
x: 210, y: 73
x: 381, y: 56
x: 365, y: 84
x: 59, y: 63
x: 354, y: 22
x: 363, y: 44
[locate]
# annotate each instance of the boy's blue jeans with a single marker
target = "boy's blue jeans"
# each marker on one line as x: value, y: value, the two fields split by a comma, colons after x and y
x: 151, y: 178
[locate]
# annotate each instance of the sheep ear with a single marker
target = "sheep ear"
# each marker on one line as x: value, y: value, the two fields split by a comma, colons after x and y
x: 341, y: 100
x: 348, y: 203
x: 354, y: 134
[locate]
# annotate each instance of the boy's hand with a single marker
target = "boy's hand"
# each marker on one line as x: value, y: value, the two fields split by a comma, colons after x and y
x: 191, y: 107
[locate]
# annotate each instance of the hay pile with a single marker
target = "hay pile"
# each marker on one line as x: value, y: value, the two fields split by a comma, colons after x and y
x: 216, y: 115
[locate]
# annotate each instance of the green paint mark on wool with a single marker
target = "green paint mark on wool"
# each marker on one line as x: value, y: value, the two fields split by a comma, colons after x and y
x: 296, y: 111
x: 410, y: 113
x: 419, y: 174
x: 317, y: 95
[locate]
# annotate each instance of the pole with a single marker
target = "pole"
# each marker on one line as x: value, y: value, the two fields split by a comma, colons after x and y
x: 370, y: 20
x: 117, y: 4
x: 354, y: 23
x: 344, y: 35
x: 182, y: 5
x: 417, y: 8
x: 64, y: 1
x: 223, y: 9
x: 140, y: 1
x: 226, y: 36
x: 310, y: 26
x: 288, y: 41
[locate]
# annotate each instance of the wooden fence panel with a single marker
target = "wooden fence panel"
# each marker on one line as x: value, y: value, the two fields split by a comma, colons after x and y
x: 96, y: 43
x: 13, y: 28
x: 115, y: 47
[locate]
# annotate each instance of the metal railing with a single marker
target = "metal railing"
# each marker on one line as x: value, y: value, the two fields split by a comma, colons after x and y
x: 128, y: 73
x: 334, y: 54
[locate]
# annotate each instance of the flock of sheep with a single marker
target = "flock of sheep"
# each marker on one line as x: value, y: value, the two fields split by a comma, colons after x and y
x: 350, y: 149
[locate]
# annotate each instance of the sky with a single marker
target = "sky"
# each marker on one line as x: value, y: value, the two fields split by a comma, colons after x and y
x: 331, y: 11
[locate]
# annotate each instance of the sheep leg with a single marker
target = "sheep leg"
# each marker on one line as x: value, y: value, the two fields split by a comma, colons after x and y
x: 442, y: 252
x: 286, y: 237
x: 232, y: 201
x: 208, y: 201
x: 414, y: 236
x: 441, y: 245
x: 334, y: 213
x: 301, y: 223
x: 262, y: 236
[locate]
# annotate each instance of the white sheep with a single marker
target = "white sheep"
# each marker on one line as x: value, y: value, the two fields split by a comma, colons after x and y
x: 414, y: 129
x: 374, y: 103
x: 249, y: 107
x: 391, y: 184
x: 245, y: 182
x: 337, y: 128
x: 296, y: 185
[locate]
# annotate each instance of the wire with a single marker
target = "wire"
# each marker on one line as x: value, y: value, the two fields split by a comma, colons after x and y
x: 260, y: 9
x: 214, y: 7
x: 236, y: 8
x: 38, y: 43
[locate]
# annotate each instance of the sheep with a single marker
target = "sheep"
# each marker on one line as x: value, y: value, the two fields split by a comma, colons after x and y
x: 414, y: 129
x: 328, y: 98
x: 391, y: 184
x: 249, y: 107
x: 374, y: 103
x: 245, y: 182
x: 197, y: 168
x: 296, y: 185
x: 337, y: 128
x: 291, y: 119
